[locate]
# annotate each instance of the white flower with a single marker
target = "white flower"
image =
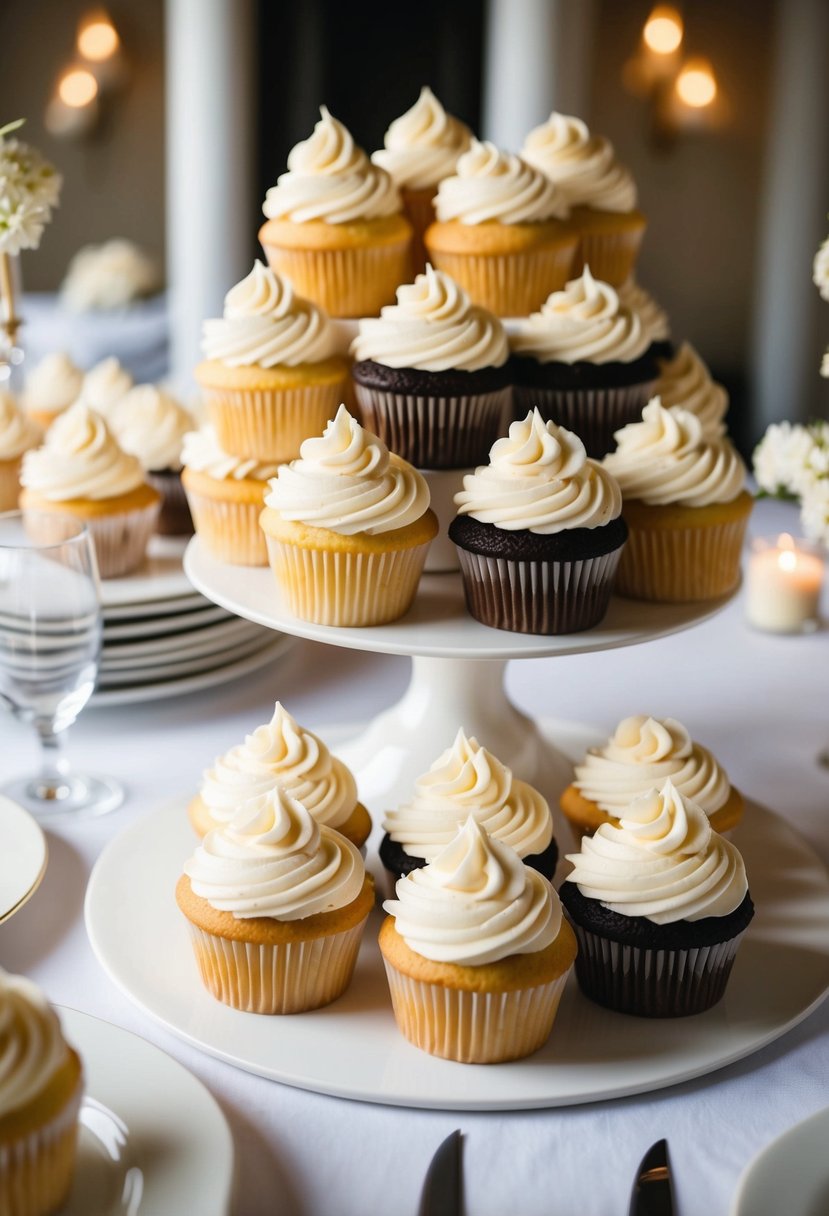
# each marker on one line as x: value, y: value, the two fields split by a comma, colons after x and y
x: 781, y: 458
x: 814, y: 510
x: 29, y: 189
x: 108, y: 276
x: 820, y: 270
x: 824, y: 367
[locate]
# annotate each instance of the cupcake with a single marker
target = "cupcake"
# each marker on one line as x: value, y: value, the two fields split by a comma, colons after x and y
x: 600, y: 192
x: 41, y: 1085
x: 640, y: 755
x: 468, y: 781
x: 659, y: 904
x: 685, y: 380
x: 431, y: 375
x: 18, y: 433
x: 685, y: 507
x: 225, y: 495
x: 276, y: 907
x: 335, y: 225
x: 421, y: 147
x: 270, y: 378
x: 347, y: 528
x: 653, y: 317
x: 286, y: 754
x: 538, y: 533
x: 51, y: 387
x: 476, y: 952
x: 584, y: 361
x: 500, y: 232
x: 150, y: 424
x: 81, y: 472
x: 104, y: 385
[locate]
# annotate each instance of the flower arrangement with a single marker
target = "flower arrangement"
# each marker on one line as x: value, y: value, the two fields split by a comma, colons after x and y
x: 29, y: 189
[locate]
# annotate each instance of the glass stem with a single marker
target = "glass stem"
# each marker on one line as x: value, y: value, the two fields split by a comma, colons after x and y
x: 53, y: 782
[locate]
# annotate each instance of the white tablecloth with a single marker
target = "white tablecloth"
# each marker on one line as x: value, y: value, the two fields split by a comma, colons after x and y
x: 760, y: 701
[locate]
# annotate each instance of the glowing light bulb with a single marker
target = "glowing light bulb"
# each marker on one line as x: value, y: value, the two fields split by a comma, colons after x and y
x: 663, y: 30
x: 696, y: 84
x: 77, y: 88
x: 98, y: 39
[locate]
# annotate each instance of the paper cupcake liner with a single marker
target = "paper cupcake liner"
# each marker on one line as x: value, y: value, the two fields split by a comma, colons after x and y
x: 680, y: 565
x: 538, y: 596
x: 10, y: 483
x: 595, y: 414
x: 120, y: 539
x: 435, y: 432
x: 289, y: 977
x: 474, y: 1027
x: 174, y: 518
x: 354, y: 282
x: 420, y: 211
x: 230, y: 529
x: 336, y: 588
x: 270, y: 424
x: 509, y: 284
x: 652, y: 983
x: 611, y: 256
x: 36, y: 1170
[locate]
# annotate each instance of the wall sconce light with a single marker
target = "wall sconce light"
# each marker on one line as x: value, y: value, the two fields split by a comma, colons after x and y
x: 663, y: 30
x: 696, y: 84
x: 85, y: 85
x: 73, y: 109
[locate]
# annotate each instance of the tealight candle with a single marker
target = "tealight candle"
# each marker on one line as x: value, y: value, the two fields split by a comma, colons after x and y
x: 783, y: 585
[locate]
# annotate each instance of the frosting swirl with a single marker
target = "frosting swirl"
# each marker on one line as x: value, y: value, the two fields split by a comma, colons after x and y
x: 273, y: 860
x: 151, y: 425
x: 539, y: 478
x: 666, y: 458
x: 586, y: 322
x: 281, y: 753
x: 686, y: 381
x: 474, y: 903
x: 80, y: 459
x: 32, y: 1047
x: 54, y: 384
x: 201, y: 452
x: 266, y: 324
x: 663, y: 862
x: 652, y: 315
x: 329, y: 178
x: 434, y: 327
x: 489, y: 184
x: 18, y: 432
x: 422, y: 146
x: 346, y: 482
x: 641, y: 755
x: 104, y: 385
x: 466, y: 781
x: 583, y: 166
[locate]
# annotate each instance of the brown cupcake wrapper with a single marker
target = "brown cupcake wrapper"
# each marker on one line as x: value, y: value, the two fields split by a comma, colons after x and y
x: 270, y: 424
x: 595, y: 414
x: 510, y: 284
x: 288, y: 977
x: 174, y: 518
x: 36, y: 1170
x: 652, y: 983
x: 230, y: 530
x: 611, y: 256
x: 538, y: 596
x: 354, y: 282
x: 435, y: 432
x: 681, y: 565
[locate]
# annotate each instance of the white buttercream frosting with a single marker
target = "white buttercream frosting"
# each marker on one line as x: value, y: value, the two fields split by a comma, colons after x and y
x: 80, y: 458
x: 583, y: 166
x: 105, y: 384
x: 474, y: 903
x: 540, y: 478
x: 663, y: 861
x: 652, y: 315
x: 202, y: 452
x: 686, y: 381
x: 53, y: 384
x: 151, y: 424
x: 18, y: 432
x: 273, y: 860
x: 32, y: 1047
x: 346, y: 482
x: 489, y: 184
x: 422, y: 146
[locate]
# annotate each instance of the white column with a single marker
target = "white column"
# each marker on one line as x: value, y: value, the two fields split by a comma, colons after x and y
x: 209, y: 139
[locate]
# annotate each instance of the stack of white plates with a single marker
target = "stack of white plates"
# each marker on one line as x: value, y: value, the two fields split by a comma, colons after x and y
x: 162, y: 638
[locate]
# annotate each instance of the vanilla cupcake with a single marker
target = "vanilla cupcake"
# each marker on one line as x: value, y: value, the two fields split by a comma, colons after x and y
x: 686, y: 381
x: 347, y: 528
x: 500, y: 232
x: 286, y: 754
x: 600, y: 191
x: 659, y: 903
x: 431, y: 375
x: 685, y: 506
x: 41, y: 1085
x: 270, y: 377
x: 18, y: 434
x: 225, y: 494
x: 476, y: 952
x: 104, y: 385
x: 150, y: 424
x: 421, y: 148
x: 335, y: 225
x: 276, y: 907
x: 82, y: 472
x: 584, y: 360
x: 640, y: 755
x: 652, y: 315
x: 51, y: 387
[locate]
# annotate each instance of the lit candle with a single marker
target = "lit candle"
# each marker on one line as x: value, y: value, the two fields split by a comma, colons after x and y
x: 783, y: 585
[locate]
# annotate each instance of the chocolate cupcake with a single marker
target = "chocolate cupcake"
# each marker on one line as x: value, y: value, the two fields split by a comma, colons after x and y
x: 659, y: 904
x: 539, y: 533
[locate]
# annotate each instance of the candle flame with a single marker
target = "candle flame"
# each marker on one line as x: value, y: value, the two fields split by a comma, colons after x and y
x: 787, y: 560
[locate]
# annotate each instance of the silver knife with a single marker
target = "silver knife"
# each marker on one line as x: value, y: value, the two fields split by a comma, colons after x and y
x: 441, y: 1194
x: 652, y: 1193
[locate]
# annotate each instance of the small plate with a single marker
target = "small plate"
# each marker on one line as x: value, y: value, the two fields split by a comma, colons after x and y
x: 122, y: 613
x: 23, y: 857
x: 790, y: 1176
x: 134, y: 628
x: 168, y: 668
x: 207, y: 640
x: 159, y: 577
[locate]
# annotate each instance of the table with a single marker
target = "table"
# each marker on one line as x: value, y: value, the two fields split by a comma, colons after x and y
x: 758, y: 700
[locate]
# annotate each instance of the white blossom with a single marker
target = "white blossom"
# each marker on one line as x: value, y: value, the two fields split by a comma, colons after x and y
x: 29, y: 189
x: 820, y: 270
x: 781, y: 458
x: 814, y: 510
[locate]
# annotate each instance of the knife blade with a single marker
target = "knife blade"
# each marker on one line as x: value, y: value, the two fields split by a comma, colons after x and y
x: 652, y: 1193
x: 441, y: 1194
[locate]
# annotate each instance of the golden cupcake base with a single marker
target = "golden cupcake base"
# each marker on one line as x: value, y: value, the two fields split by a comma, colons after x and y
x: 226, y: 516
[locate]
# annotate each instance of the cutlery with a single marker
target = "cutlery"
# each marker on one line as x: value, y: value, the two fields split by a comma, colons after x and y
x: 652, y: 1193
x: 441, y: 1194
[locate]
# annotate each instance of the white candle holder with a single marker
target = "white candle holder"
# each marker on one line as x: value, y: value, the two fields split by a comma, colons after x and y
x: 783, y: 584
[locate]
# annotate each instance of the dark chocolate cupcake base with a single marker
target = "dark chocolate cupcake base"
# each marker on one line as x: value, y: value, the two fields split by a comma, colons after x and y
x: 174, y: 518
x: 398, y: 862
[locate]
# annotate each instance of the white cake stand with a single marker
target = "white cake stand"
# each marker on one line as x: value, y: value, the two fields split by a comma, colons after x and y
x: 458, y: 668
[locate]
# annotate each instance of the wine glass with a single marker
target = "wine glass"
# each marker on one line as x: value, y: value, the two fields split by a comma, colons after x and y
x: 50, y: 643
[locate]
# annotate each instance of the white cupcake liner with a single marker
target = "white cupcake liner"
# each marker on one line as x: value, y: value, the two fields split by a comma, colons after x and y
x: 611, y: 256
x: 435, y: 432
x: 36, y: 1169
x: 10, y: 483
x: 474, y: 1027
x: 595, y: 414
x: 230, y: 529
x: 509, y: 284
x: 289, y: 977
x: 121, y: 539
x: 351, y: 282
x: 271, y: 423
x: 681, y: 565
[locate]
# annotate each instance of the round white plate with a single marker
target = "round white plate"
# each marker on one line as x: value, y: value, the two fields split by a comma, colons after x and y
x: 352, y: 1049
x: 132, y: 629
x: 791, y: 1176
x: 159, y: 577
x: 154, y: 608
x: 152, y: 1139
x: 207, y: 640
x: 23, y: 857
x: 170, y: 668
